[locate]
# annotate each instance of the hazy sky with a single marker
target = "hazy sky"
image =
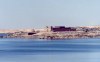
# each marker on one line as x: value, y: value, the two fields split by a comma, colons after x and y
x: 41, y: 13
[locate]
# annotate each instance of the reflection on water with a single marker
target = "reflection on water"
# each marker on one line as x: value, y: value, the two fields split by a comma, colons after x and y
x: 30, y: 50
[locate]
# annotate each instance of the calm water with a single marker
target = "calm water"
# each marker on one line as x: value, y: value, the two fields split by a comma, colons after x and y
x: 29, y: 50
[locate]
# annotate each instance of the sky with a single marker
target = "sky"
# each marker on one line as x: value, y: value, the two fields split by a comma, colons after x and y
x: 16, y: 14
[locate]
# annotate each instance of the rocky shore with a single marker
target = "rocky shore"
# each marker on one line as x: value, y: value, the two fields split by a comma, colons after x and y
x: 59, y: 32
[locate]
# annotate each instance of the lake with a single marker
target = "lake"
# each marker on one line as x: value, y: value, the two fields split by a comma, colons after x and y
x: 38, y: 50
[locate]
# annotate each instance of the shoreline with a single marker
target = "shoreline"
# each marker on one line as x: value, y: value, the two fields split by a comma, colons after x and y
x: 58, y: 32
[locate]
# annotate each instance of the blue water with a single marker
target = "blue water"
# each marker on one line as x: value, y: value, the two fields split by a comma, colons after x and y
x: 35, y: 50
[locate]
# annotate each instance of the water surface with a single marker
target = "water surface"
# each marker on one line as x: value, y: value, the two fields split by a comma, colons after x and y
x: 35, y: 50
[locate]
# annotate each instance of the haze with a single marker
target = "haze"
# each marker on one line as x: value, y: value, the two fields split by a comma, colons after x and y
x: 40, y: 13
